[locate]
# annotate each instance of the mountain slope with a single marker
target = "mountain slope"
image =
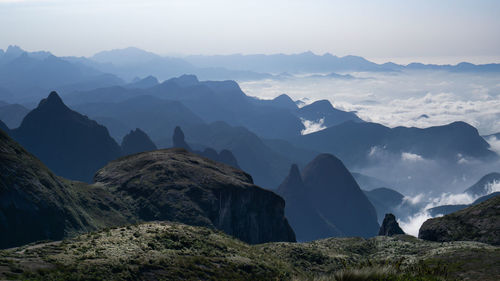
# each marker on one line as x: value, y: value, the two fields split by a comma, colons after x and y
x: 338, y: 198
x: 325, y: 201
x: 179, y: 186
x: 479, y: 222
x: 70, y: 144
x: 172, y: 251
x: 36, y: 205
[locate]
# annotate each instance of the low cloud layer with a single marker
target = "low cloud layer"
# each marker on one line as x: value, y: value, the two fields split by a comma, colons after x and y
x: 312, y: 126
x: 416, y: 98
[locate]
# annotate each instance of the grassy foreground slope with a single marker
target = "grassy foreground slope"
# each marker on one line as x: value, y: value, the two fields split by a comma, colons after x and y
x: 173, y: 251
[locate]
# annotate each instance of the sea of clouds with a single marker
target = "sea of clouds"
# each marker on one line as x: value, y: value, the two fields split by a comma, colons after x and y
x: 409, y: 98
x: 415, y: 99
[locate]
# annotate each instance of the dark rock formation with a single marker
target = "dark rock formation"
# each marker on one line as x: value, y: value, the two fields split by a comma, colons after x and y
x: 36, y: 205
x: 480, y: 188
x: 326, y: 201
x: 176, y: 185
x: 70, y: 144
x: 338, y: 198
x: 390, y: 226
x: 137, y: 141
x: 178, y: 139
x: 300, y: 212
x: 479, y: 222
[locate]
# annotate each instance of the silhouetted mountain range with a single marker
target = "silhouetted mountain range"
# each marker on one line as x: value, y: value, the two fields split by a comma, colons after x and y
x: 319, y: 199
x: 31, y: 75
x: 309, y: 62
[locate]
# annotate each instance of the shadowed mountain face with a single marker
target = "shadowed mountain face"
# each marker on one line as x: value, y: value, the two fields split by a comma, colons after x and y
x: 476, y: 223
x: 326, y: 201
x: 180, y: 186
x: 338, y: 197
x: 36, y: 205
x: 69, y: 143
x: 136, y: 141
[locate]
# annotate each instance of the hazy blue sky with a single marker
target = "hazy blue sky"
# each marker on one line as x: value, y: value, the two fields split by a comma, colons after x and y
x: 432, y: 30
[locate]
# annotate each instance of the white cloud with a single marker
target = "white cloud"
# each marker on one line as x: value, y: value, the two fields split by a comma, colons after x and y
x: 400, y: 99
x: 312, y: 126
x: 411, y: 157
x: 412, y: 223
x: 494, y: 144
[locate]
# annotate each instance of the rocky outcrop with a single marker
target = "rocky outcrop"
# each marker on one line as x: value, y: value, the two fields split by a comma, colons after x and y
x: 178, y: 139
x: 176, y: 185
x: 479, y: 222
x: 390, y: 226
x: 70, y: 144
x: 36, y: 205
x: 325, y: 201
x: 137, y: 141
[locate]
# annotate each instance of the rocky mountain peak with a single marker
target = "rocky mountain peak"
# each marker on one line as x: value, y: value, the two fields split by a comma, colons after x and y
x: 390, y: 226
x: 178, y: 139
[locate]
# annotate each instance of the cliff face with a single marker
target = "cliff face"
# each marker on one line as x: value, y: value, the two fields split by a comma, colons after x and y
x: 479, y: 222
x: 176, y: 185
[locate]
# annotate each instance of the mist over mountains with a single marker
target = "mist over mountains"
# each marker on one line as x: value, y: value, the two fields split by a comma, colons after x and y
x: 129, y: 101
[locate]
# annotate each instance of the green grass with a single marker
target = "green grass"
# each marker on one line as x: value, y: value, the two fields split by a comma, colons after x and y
x: 173, y: 251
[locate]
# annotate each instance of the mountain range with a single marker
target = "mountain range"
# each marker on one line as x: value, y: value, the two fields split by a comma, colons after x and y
x: 25, y: 76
